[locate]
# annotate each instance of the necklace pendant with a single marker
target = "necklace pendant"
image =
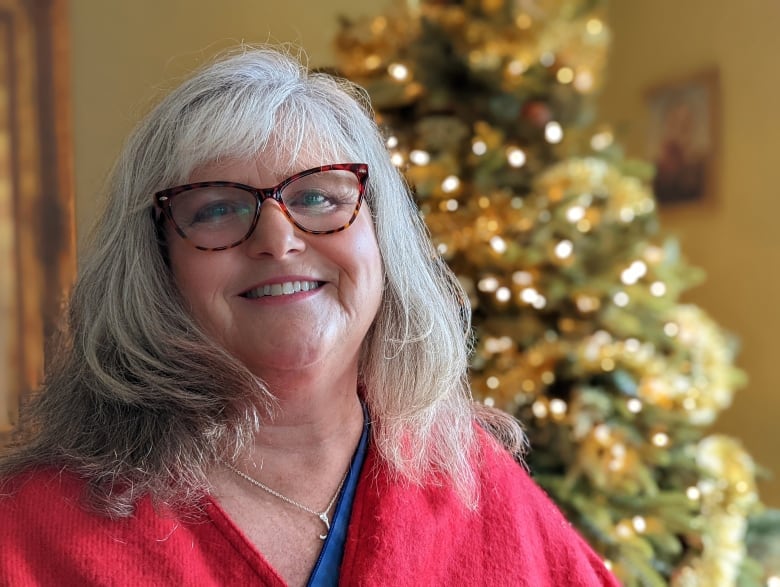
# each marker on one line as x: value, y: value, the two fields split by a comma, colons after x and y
x: 324, y: 517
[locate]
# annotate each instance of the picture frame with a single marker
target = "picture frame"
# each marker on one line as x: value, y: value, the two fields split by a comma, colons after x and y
x: 37, y: 220
x: 683, y: 133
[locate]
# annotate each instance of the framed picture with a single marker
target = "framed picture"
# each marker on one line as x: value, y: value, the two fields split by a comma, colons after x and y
x: 683, y: 137
x: 37, y: 239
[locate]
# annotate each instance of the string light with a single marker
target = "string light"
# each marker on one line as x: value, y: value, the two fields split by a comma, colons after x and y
x: 498, y: 244
x: 553, y: 132
x: 522, y: 278
x: 397, y: 159
x: 594, y: 26
x: 489, y: 402
x: 539, y: 408
x: 634, y: 405
x: 660, y: 439
x: 488, y: 284
x: 450, y: 184
x: 621, y: 299
x: 547, y: 59
x: 575, y: 214
x: 523, y: 21
x: 492, y: 382
x: 503, y: 294
x: 398, y: 71
x: 601, y: 140
x: 671, y: 329
x: 516, y: 157
x: 451, y: 205
x: 420, y: 157
x: 693, y: 493
x: 658, y: 288
x: 565, y: 75
x: 392, y: 142
x: 516, y: 67
x: 479, y: 147
x: 564, y: 249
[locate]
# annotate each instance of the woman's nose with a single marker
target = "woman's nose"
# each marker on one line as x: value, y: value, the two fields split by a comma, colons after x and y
x: 274, y: 234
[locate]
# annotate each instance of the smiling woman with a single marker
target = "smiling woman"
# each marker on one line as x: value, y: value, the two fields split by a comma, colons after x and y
x: 37, y: 260
x: 268, y: 384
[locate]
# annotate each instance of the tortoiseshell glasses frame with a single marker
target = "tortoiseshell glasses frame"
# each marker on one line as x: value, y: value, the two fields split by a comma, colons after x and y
x: 219, y: 215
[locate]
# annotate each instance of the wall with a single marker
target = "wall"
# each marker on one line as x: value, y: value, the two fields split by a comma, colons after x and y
x: 126, y: 53
x: 735, y: 239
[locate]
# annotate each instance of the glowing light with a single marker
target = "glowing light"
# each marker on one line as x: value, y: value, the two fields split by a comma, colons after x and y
x: 503, y: 294
x: 398, y: 71
x: 583, y: 81
x: 522, y: 278
x: 540, y: 302
x: 397, y: 159
x: 693, y: 493
x: 489, y: 402
x: 442, y: 248
x: 392, y: 142
x: 633, y: 345
x: 773, y: 581
x: 607, y: 364
x: 539, y: 408
x: 602, y: 433
x: 621, y: 299
x: 584, y: 225
x: 601, y: 140
x: 626, y: 215
x: 594, y: 26
x: 558, y: 407
x: 658, y: 288
x: 634, y: 405
x: 498, y: 244
x: 372, y: 61
x: 451, y: 205
x: 548, y: 377
x: 633, y: 273
x: 516, y: 157
x: 553, y: 132
x: 565, y: 75
x: 450, y: 184
x: 640, y: 525
x: 547, y: 58
x: 660, y: 439
x: 671, y: 329
x: 479, y: 147
x: 528, y: 295
x: 420, y: 157
x: 564, y: 249
x: 516, y: 67
x: 575, y: 214
x: 587, y: 303
x: 488, y: 284
x: 689, y: 403
x: 492, y: 382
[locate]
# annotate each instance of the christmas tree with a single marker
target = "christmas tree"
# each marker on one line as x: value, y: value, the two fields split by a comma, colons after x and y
x: 575, y: 290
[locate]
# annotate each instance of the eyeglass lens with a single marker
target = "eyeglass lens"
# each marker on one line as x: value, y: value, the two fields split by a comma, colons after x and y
x: 219, y: 216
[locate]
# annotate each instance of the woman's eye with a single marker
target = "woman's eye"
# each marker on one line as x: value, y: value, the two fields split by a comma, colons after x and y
x: 310, y: 200
x: 220, y: 211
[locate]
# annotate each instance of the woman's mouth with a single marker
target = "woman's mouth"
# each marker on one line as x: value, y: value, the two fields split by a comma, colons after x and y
x: 281, y: 289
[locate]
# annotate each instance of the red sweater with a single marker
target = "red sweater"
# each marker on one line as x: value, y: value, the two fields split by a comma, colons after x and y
x: 398, y: 535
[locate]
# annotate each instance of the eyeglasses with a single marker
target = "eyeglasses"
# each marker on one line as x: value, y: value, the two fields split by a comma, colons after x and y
x: 217, y: 215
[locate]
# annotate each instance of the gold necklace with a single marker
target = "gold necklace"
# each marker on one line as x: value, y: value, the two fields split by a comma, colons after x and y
x: 323, y: 516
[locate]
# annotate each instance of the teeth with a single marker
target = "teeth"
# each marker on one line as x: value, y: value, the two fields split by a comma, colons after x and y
x: 281, y: 289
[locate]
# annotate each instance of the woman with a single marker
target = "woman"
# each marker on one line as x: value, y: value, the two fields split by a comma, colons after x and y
x: 267, y: 385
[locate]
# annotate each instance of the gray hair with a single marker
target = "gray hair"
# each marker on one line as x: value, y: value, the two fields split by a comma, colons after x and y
x: 139, y: 400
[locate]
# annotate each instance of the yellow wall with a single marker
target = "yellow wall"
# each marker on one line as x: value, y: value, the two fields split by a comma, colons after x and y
x: 737, y: 239
x: 126, y: 53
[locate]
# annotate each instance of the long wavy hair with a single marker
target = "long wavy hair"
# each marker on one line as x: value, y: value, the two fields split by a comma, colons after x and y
x: 139, y: 400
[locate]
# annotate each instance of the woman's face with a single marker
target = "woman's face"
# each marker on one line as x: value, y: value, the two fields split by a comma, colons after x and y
x: 320, y: 329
